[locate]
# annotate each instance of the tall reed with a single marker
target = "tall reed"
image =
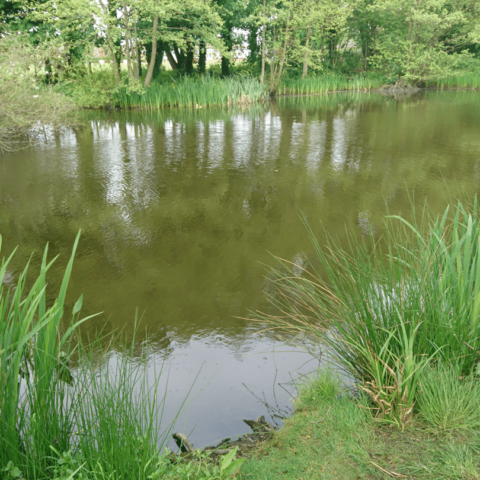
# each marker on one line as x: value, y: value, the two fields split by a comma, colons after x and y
x: 329, y: 82
x: 462, y: 80
x: 105, y: 411
x: 383, y: 310
x: 194, y: 92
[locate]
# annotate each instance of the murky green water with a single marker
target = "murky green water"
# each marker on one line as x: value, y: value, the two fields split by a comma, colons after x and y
x: 180, y: 209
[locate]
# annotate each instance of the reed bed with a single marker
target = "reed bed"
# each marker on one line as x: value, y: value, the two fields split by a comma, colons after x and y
x: 101, y: 419
x: 464, y: 80
x: 194, y: 92
x: 329, y: 83
x: 384, y: 311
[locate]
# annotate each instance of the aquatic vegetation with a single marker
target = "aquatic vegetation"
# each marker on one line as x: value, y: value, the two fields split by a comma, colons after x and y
x: 330, y: 82
x: 194, y: 92
x: 462, y: 80
x: 105, y: 410
x: 383, y: 311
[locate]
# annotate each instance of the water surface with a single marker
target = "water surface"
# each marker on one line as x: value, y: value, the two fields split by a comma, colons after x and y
x: 181, y: 211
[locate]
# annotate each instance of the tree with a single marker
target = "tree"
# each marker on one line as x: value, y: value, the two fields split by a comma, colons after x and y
x: 424, y: 39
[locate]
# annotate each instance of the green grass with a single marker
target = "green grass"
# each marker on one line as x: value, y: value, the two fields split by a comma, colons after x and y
x: 334, y: 435
x: 329, y: 83
x: 447, y: 400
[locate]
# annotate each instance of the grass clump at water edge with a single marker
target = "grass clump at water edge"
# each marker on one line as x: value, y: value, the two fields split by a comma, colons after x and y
x: 386, y: 310
x: 99, y: 420
x: 400, y: 318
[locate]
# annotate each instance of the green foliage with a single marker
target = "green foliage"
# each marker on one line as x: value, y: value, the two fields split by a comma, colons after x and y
x: 27, y: 107
x: 199, y: 466
x: 413, y: 41
x: 424, y: 40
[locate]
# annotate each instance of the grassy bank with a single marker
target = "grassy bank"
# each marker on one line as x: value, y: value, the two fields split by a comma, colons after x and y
x: 99, y: 90
x: 334, y: 435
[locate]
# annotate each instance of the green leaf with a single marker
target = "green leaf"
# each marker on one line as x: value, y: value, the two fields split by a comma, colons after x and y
x: 78, y: 305
x: 227, y: 459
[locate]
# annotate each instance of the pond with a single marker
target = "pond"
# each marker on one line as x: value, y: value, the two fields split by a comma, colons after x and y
x: 183, y: 211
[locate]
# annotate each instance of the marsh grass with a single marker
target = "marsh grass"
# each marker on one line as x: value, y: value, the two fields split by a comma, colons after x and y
x: 105, y: 415
x: 384, y: 310
x: 463, y: 80
x: 329, y: 83
x: 192, y: 92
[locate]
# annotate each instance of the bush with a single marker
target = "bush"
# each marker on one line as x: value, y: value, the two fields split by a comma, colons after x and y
x: 27, y: 107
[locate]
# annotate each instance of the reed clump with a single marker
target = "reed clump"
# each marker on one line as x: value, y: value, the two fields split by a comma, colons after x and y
x: 101, y: 419
x: 28, y: 111
x: 194, y: 92
x: 330, y: 82
x: 385, y: 311
x: 461, y: 80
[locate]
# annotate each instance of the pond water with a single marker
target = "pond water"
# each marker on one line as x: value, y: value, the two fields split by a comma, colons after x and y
x: 182, y: 211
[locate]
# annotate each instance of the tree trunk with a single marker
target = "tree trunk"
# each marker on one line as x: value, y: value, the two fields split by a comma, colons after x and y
x: 127, y: 40
x: 202, y: 58
x: 48, y: 72
x: 305, y: 56
x: 225, y: 66
x: 111, y: 45
x: 170, y: 58
x: 189, y: 59
x: 252, y: 45
x: 366, y: 54
x: 138, y: 64
x: 262, y: 72
x: 153, y: 55
x: 277, y: 73
x: 180, y: 57
x: 229, y: 44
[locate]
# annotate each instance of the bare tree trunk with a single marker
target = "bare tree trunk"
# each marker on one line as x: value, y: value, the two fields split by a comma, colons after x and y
x: 305, y: 56
x: 111, y: 45
x: 153, y: 57
x: 262, y: 73
x: 277, y: 73
x: 137, y: 54
x: 127, y: 40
